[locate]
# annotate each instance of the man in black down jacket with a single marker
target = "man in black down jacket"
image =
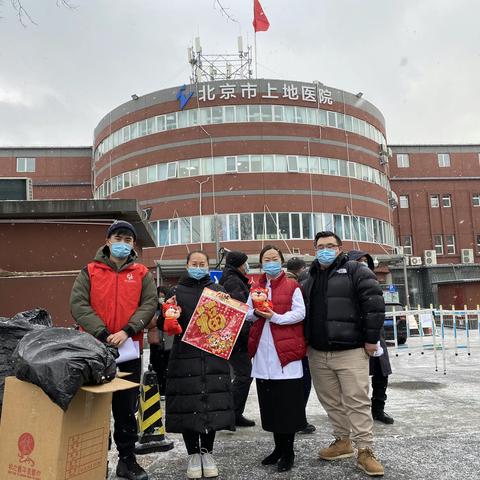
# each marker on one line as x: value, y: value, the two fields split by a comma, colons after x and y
x: 236, y: 284
x: 344, y: 315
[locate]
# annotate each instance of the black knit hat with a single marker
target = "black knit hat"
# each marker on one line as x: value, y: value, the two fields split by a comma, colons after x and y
x: 295, y: 264
x: 121, y: 225
x: 236, y: 259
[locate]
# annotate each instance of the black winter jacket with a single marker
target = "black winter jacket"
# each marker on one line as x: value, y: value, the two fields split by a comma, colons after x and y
x: 236, y: 285
x: 351, y: 302
x: 198, y: 395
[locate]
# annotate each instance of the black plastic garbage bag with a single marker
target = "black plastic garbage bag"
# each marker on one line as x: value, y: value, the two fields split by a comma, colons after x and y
x: 37, y: 316
x: 12, y: 330
x: 61, y: 360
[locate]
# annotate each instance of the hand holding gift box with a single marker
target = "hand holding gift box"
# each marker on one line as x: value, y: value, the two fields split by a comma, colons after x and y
x: 216, y: 323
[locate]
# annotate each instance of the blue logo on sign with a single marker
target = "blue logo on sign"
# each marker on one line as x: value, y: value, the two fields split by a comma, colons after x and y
x: 181, y: 96
x: 215, y: 275
x: 392, y: 288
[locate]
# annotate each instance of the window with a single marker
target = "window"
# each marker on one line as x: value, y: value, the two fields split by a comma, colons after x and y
x: 172, y: 170
x: 402, y: 160
x: 407, y: 244
x: 450, y: 241
x: 246, y: 226
x: 476, y: 199
x: 438, y: 244
x: 434, y: 200
x: 231, y: 164
x: 403, y: 201
x: 25, y: 164
x: 292, y: 164
x: 478, y: 244
x: 446, y: 200
x: 255, y: 163
x: 443, y: 159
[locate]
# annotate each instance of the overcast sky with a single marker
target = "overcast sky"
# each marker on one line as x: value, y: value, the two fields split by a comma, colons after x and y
x: 418, y: 61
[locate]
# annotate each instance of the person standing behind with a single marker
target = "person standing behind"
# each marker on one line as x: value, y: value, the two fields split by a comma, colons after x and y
x: 345, y: 313
x: 297, y: 270
x: 113, y: 299
x: 277, y: 345
x: 380, y: 367
x: 198, y: 397
x: 236, y: 283
x: 160, y: 343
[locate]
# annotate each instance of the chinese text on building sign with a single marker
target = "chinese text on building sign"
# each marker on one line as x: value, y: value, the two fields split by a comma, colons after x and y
x: 250, y: 90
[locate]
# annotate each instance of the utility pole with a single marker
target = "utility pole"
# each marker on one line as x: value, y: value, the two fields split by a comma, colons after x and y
x: 200, y: 184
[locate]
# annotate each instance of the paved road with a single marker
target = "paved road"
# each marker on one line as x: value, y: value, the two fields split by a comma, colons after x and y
x: 436, y: 434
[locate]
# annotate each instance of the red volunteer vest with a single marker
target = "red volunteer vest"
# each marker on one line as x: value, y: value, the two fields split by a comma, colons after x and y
x: 289, y: 340
x: 115, y: 296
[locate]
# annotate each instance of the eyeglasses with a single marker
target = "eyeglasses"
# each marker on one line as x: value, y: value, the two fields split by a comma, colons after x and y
x: 329, y: 245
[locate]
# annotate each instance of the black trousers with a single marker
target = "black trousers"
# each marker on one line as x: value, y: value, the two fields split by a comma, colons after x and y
x: 241, y: 365
x: 195, y: 441
x: 124, y: 407
x: 379, y: 392
x: 284, y: 443
x: 307, y: 380
x: 159, y: 361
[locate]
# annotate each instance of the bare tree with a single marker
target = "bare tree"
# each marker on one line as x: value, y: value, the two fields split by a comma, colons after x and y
x: 224, y: 11
x: 23, y: 14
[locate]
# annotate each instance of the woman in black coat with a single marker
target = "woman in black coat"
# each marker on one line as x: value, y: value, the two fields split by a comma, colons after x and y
x: 380, y: 367
x: 198, y: 397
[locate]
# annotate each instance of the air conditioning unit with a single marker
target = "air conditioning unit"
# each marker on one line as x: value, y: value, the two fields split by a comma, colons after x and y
x: 398, y: 250
x: 389, y: 152
x: 430, y: 257
x: 415, y: 261
x: 467, y: 255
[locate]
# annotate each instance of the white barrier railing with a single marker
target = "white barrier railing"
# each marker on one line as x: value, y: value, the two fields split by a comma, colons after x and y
x: 456, y: 330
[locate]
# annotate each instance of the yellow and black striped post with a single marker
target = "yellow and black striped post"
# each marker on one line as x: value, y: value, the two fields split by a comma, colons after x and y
x: 152, y: 432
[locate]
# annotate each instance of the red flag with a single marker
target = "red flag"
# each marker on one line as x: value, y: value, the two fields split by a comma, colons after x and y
x: 260, y: 20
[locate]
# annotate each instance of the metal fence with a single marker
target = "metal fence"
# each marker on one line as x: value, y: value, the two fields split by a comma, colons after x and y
x: 448, y: 333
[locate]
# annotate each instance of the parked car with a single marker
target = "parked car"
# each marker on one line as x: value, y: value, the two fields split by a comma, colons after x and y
x: 401, y: 323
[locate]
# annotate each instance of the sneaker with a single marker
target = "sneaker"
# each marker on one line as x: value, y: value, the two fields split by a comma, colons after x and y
x: 308, y: 429
x: 241, y: 421
x: 128, y: 467
x: 339, y: 448
x: 383, y: 417
x: 367, y: 462
x: 209, y: 466
x: 194, y: 467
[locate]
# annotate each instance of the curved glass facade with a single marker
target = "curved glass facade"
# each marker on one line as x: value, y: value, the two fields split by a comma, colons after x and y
x: 239, y: 114
x: 270, y: 226
x: 241, y: 164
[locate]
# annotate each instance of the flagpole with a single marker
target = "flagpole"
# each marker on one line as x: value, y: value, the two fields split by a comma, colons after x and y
x: 256, y: 66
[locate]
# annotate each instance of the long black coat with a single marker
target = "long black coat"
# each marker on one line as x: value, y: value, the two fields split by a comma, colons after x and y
x: 353, y: 305
x: 198, y: 395
x: 236, y: 285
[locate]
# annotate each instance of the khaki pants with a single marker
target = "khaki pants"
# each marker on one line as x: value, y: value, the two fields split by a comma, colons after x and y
x: 341, y: 380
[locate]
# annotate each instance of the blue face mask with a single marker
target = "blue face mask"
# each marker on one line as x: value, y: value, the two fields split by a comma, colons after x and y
x: 246, y: 266
x: 120, y: 249
x: 326, y: 256
x: 272, y: 268
x: 197, y: 272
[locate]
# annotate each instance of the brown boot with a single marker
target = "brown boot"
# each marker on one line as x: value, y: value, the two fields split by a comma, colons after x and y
x: 367, y: 462
x: 339, y: 448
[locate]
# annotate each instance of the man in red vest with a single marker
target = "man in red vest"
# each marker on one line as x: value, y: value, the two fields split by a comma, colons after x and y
x: 114, y: 299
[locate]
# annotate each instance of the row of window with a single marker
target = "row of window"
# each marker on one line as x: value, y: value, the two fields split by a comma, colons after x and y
x: 436, y: 200
x: 445, y: 200
x: 269, y: 226
x: 241, y: 164
x: 442, y: 244
x: 403, y: 160
x: 25, y: 164
x: 235, y: 114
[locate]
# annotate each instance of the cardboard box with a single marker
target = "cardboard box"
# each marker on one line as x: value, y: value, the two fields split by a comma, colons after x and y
x: 39, y: 441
